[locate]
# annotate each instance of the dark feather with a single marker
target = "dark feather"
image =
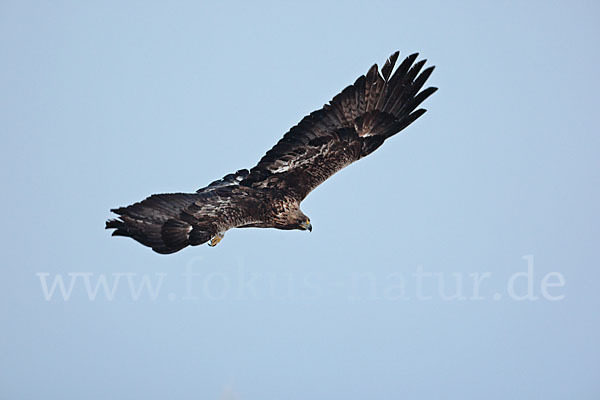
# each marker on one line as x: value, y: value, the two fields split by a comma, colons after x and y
x: 389, y: 66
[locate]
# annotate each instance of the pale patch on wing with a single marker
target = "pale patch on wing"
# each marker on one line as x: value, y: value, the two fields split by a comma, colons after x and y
x: 281, y: 169
x: 285, y: 166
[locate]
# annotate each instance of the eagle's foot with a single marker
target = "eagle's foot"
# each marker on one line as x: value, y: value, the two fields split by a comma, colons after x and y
x: 216, y: 239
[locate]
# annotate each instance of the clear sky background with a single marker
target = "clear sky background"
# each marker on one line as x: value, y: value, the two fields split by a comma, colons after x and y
x: 105, y: 103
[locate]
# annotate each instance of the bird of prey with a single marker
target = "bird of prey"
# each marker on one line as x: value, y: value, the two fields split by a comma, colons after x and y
x: 353, y: 125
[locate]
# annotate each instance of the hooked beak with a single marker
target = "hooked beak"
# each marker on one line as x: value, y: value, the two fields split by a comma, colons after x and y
x: 306, y: 226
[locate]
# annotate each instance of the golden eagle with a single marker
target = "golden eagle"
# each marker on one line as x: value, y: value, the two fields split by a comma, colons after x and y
x: 353, y: 125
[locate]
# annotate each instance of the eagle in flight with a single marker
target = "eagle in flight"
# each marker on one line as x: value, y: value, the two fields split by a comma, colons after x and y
x: 353, y: 125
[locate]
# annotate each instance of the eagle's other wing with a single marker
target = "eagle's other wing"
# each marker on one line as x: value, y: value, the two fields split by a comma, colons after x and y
x: 354, y: 123
x: 169, y: 222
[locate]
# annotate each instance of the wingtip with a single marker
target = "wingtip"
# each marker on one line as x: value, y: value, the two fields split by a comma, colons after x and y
x: 393, y: 58
x: 387, y: 68
x: 372, y: 71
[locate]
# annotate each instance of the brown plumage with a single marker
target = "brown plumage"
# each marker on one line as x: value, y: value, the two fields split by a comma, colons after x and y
x: 354, y: 124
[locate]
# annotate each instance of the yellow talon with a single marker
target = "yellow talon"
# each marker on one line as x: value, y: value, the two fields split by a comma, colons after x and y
x: 215, y: 239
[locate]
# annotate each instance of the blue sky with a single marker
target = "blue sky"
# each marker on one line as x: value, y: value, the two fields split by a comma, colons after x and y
x: 460, y: 260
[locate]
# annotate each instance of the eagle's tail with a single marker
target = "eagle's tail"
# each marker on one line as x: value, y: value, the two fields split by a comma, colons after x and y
x: 160, y: 223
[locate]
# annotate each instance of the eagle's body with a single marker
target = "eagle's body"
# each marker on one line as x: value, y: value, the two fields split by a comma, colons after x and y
x: 355, y: 123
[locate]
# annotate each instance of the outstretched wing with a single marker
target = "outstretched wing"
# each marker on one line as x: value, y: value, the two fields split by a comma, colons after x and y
x: 354, y: 123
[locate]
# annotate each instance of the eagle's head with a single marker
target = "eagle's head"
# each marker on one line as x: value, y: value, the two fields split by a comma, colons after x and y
x: 291, y: 217
x: 304, y: 224
x: 295, y: 219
